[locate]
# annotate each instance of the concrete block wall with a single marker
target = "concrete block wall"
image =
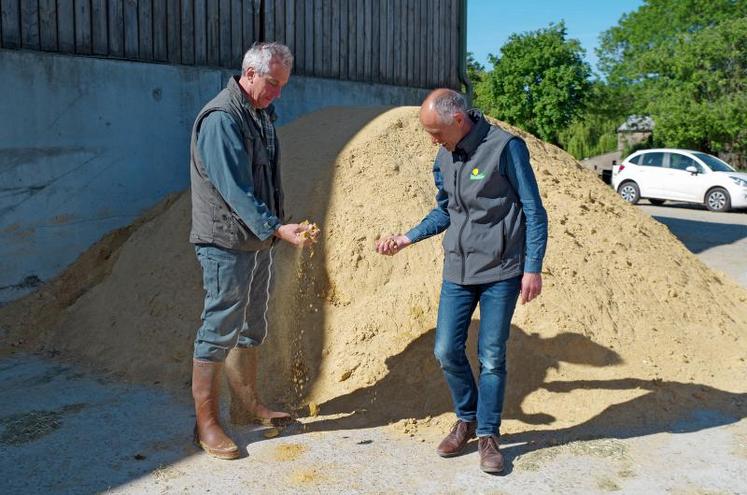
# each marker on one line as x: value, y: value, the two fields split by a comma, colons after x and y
x: 87, y: 144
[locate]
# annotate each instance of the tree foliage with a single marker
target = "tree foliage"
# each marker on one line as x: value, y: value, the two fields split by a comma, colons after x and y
x: 475, y: 70
x: 685, y: 64
x: 538, y: 82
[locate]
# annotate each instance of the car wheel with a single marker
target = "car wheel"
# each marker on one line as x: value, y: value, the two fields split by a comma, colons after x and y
x: 656, y: 202
x: 718, y: 199
x: 629, y: 192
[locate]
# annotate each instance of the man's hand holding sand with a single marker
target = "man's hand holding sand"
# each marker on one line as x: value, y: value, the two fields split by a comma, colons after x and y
x: 392, y: 244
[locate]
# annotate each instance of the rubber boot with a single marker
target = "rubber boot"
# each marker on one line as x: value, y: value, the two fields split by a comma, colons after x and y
x: 209, y: 434
x: 246, y: 406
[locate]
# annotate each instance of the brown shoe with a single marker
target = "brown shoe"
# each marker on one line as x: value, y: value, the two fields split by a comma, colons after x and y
x: 491, y: 459
x: 457, y: 439
x: 209, y: 434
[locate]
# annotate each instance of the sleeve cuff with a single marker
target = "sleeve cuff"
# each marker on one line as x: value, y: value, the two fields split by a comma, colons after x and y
x: 268, y: 228
x: 533, y: 265
x: 414, y: 235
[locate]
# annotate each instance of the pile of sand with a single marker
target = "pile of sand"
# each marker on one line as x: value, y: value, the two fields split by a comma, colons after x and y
x: 630, y: 328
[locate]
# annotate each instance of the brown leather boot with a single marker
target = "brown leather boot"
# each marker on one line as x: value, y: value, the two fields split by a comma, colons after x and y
x: 491, y: 459
x: 246, y: 407
x: 457, y: 439
x: 206, y: 392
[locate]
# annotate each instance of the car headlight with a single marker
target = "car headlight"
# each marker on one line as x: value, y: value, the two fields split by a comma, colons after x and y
x: 739, y: 181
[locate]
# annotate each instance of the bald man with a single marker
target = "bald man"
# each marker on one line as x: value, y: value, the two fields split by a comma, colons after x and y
x: 496, y: 234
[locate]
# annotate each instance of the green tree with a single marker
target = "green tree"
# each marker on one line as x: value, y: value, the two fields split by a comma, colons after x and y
x: 475, y: 70
x: 629, y: 51
x: 685, y: 64
x: 538, y: 82
x: 594, y: 131
x: 699, y: 97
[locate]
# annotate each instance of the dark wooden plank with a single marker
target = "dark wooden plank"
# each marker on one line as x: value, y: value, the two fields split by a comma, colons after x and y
x: 248, y: 19
x: 173, y: 32
x: 258, y: 20
x: 290, y: 26
x: 29, y: 24
x: 145, y: 29
x: 344, y: 38
x: 187, y: 30
x: 430, y: 45
x: 406, y: 46
x: 299, y: 38
x: 160, y: 31
x: 131, y: 39
x: 83, y: 43
x: 99, y: 27
x: 352, y: 39
x: 360, y: 42
x: 213, y: 32
x: 269, y: 21
x: 411, y: 42
x: 382, y: 35
x: 327, y: 38
x: 376, y: 21
x: 455, y: 35
x: 115, y: 28
x: 224, y: 32
x: 368, y: 40
x: 415, y: 40
x: 389, y: 52
x: 237, y: 43
x: 279, y: 34
x: 309, y: 36
x: 318, y: 37
x: 443, y: 44
x: 201, y: 37
x: 48, y: 25
x: 11, y: 24
x: 334, y: 49
x: 65, y: 26
x: 422, y: 64
x: 396, y: 15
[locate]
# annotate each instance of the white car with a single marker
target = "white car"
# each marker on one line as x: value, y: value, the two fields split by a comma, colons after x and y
x: 680, y: 175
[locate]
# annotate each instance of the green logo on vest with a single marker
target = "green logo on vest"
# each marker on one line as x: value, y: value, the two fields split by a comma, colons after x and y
x: 476, y: 174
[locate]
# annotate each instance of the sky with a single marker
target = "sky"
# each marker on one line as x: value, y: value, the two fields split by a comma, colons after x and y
x: 491, y: 22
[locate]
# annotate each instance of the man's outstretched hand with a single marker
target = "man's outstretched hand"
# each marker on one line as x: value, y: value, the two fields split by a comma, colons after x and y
x: 392, y: 244
x: 298, y: 234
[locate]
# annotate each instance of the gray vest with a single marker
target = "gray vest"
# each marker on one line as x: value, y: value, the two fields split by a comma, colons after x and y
x: 485, y: 239
x: 213, y: 220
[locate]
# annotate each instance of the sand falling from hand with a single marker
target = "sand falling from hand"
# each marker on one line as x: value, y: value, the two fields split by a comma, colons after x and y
x: 631, y: 328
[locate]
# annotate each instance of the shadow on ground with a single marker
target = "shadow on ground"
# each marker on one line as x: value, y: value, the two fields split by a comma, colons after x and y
x: 701, y: 236
x: 415, y: 388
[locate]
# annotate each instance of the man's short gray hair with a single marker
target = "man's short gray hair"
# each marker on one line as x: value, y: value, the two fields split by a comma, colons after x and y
x: 448, y: 104
x: 259, y: 56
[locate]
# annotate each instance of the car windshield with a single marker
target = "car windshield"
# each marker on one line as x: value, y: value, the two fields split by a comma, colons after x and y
x: 714, y: 163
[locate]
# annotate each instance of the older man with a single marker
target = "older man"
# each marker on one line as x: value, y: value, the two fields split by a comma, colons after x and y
x: 497, y: 233
x: 237, y: 214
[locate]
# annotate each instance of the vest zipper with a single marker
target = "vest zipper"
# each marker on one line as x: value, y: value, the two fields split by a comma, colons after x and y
x: 457, y: 184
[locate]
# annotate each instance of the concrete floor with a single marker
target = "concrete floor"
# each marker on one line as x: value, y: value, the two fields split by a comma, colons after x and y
x: 66, y: 432
x: 718, y: 239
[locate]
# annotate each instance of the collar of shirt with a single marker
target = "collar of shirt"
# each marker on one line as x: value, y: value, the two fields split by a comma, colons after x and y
x: 474, y: 137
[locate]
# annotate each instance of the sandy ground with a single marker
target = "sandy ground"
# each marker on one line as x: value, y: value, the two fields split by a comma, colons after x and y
x: 69, y: 432
x: 634, y: 339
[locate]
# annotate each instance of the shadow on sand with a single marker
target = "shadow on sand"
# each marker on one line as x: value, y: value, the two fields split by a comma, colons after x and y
x: 415, y: 388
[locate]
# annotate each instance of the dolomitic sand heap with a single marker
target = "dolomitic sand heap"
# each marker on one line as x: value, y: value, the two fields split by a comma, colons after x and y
x: 631, y: 329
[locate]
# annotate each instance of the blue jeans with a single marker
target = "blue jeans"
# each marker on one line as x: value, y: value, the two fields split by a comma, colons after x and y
x: 482, y: 402
x: 237, y: 295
